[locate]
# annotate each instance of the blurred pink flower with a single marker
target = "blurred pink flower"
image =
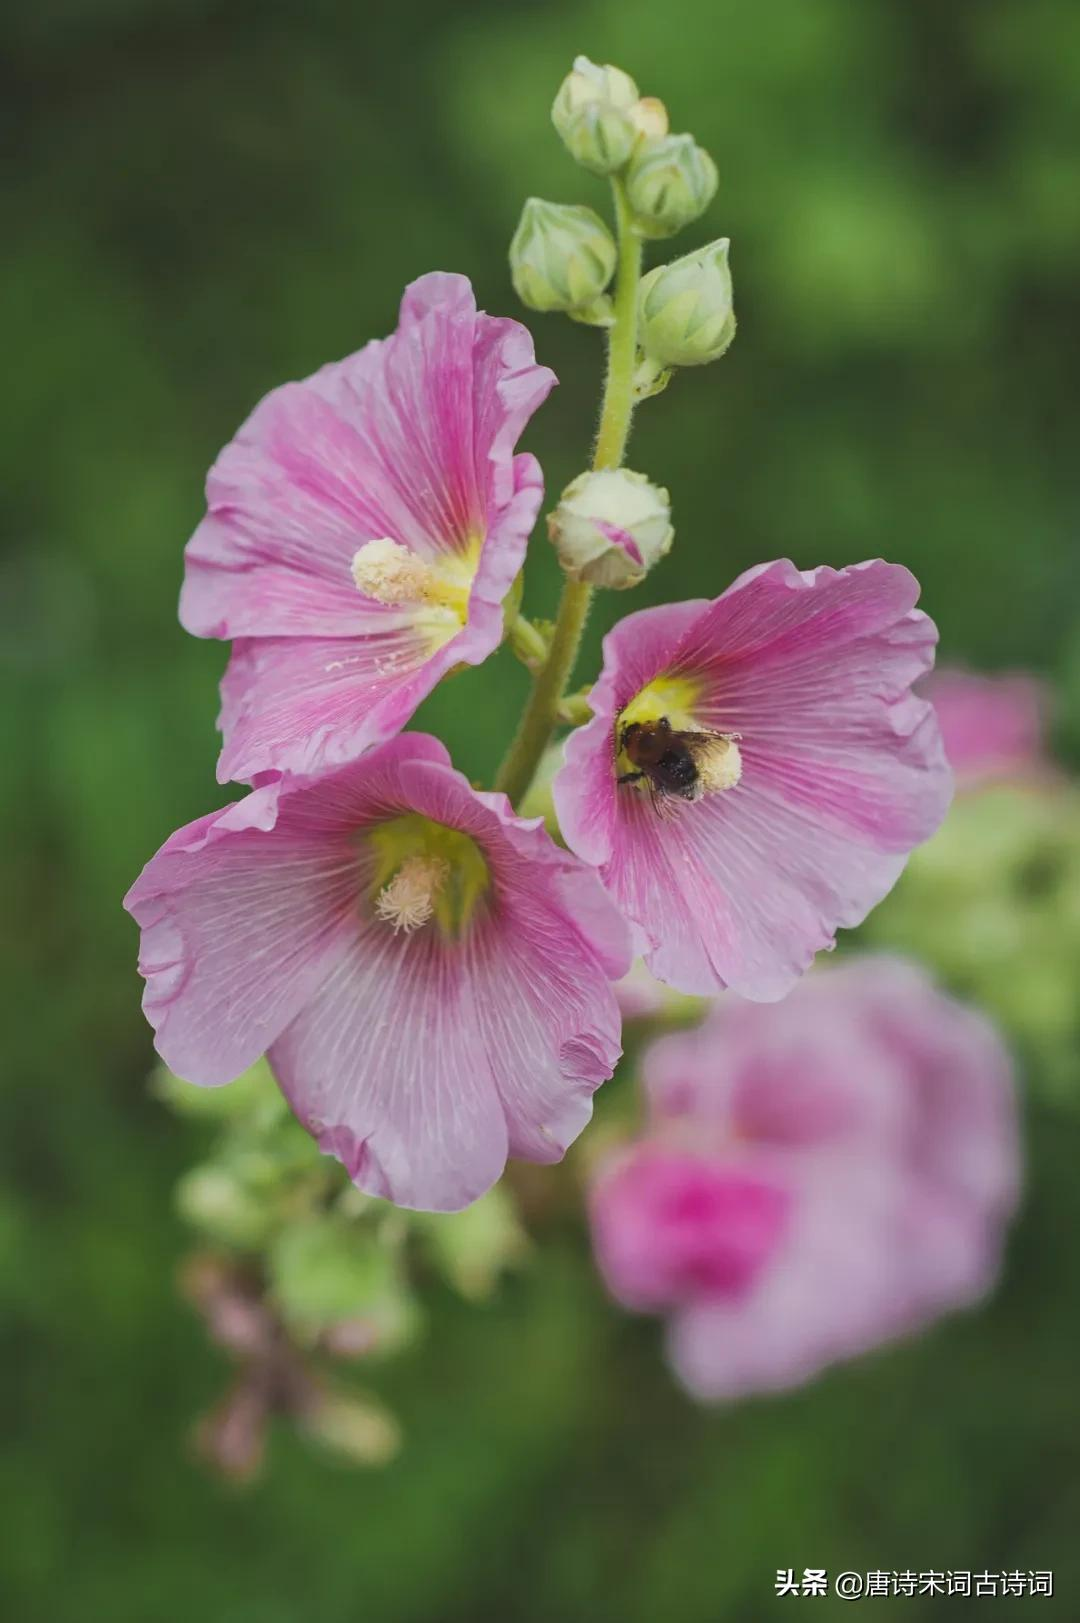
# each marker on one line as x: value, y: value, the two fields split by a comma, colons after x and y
x: 671, y: 1225
x: 362, y: 531
x: 429, y: 974
x: 993, y: 726
x: 833, y: 772
x: 641, y: 996
x: 817, y: 1177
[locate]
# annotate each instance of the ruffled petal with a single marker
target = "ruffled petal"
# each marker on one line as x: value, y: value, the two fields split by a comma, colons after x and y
x: 242, y: 913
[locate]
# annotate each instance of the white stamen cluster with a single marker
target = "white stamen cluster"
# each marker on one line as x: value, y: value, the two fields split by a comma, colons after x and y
x: 390, y: 573
x: 719, y: 765
x: 408, y: 901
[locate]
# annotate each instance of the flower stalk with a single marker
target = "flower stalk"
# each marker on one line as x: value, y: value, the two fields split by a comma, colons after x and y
x: 542, y: 710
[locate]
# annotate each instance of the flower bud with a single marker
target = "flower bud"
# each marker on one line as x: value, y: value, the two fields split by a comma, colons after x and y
x: 562, y: 256
x: 356, y: 1428
x: 669, y: 183
x: 649, y: 117
x: 591, y: 114
x: 474, y: 1246
x: 211, y: 1198
x: 685, y: 311
x: 610, y: 527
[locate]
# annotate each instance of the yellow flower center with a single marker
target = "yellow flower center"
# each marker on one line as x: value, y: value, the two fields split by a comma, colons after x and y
x: 438, y: 591
x: 425, y: 871
x: 670, y: 696
x: 674, y: 699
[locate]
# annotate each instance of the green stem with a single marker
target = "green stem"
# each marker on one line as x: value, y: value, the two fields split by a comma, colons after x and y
x: 541, y: 712
x: 527, y: 642
x: 618, y: 406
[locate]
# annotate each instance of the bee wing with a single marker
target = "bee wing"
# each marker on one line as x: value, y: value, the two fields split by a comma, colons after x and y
x: 703, y: 739
x: 663, y: 802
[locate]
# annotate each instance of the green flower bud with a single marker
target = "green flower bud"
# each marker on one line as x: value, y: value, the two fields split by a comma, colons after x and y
x: 591, y: 114
x: 685, y: 313
x: 253, y: 1098
x: 212, y: 1199
x: 562, y: 256
x: 324, y: 1269
x: 990, y: 903
x: 610, y: 527
x: 358, y: 1429
x: 600, y: 139
x: 474, y: 1246
x: 669, y: 183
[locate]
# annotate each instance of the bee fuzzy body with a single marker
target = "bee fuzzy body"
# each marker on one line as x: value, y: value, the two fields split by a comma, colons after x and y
x: 670, y: 762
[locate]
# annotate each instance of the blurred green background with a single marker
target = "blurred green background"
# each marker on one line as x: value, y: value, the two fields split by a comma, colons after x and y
x: 205, y: 199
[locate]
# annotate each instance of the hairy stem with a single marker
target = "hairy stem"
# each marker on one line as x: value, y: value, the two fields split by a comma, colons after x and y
x: 541, y: 711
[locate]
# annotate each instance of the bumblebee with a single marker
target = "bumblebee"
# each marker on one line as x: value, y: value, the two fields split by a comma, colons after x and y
x: 679, y: 765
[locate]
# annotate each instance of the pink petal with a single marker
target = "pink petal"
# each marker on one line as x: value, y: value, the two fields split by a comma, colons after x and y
x: 831, y: 1293
x: 672, y: 1225
x: 236, y: 934
x: 386, y: 1068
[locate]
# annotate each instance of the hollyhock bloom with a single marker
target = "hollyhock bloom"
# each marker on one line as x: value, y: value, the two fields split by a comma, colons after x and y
x: 993, y: 726
x: 427, y: 973
x: 799, y: 816
x: 362, y: 531
x: 817, y: 1177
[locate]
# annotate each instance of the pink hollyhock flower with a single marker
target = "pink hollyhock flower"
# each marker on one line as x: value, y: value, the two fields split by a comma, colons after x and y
x: 993, y: 726
x: 362, y: 531
x: 793, y: 770
x: 428, y: 973
x: 818, y: 1177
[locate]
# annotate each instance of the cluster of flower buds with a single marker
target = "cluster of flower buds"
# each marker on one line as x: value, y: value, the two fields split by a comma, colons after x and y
x: 562, y: 257
x: 608, y: 127
x: 609, y: 529
x: 296, y: 1272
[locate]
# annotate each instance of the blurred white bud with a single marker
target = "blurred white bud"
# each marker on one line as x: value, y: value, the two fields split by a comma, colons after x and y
x: 610, y: 527
x: 355, y: 1427
x: 562, y: 257
x: 649, y: 117
x: 592, y: 115
x: 670, y: 182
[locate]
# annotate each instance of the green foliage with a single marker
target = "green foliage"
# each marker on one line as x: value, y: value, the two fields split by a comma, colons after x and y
x: 214, y: 198
x: 323, y: 1270
x: 992, y: 902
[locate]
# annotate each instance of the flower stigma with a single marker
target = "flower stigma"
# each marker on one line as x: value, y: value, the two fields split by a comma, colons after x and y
x: 437, y: 591
x: 424, y: 871
x: 408, y: 901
